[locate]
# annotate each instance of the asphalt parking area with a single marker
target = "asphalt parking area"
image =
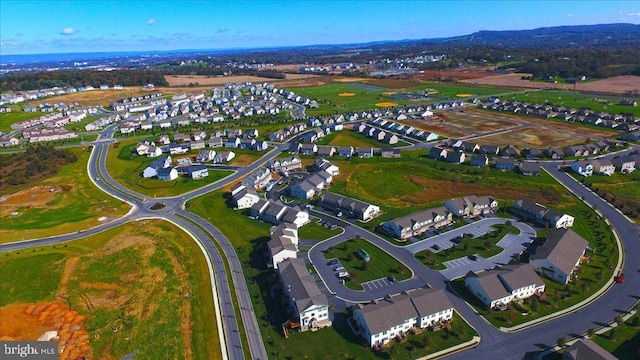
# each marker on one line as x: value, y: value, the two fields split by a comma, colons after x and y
x: 376, y: 284
x: 452, y: 264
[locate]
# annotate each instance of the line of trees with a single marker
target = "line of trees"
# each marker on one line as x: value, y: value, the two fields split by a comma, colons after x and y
x: 36, y: 163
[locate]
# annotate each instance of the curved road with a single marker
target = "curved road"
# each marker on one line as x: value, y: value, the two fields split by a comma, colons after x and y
x: 494, y: 344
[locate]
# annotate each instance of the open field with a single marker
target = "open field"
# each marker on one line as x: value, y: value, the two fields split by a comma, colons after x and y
x: 16, y: 115
x: 141, y: 287
x: 203, y: 80
x: 32, y: 210
x: 125, y: 166
x: 484, y: 246
x: 315, y: 231
x: 614, y: 85
x: 476, y: 122
x: 620, y: 189
x: 380, y: 266
x: 531, y: 137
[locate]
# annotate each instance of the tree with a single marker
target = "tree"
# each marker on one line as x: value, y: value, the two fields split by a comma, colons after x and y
x: 635, y: 322
x: 402, y: 268
x: 365, y: 265
x: 487, y: 244
x: 591, y: 332
x: 426, y: 341
x: 352, y: 276
x: 562, y: 342
x: 535, y: 305
x: 619, y: 320
x: 612, y: 334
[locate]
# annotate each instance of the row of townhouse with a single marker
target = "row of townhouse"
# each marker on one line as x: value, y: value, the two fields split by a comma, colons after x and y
x: 285, y: 165
x: 48, y: 134
x: 243, y: 197
x: 510, y: 151
x: 622, y: 164
x: 376, y: 133
x: 615, y: 121
x: 15, y: 98
x: 282, y: 135
x: 404, y: 129
x: 327, y: 151
x: 531, y: 210
x: 435, y: 218
x: 393, y: 316
x: 277, y: 214
x: 311, y: 186
x: 350, y: 207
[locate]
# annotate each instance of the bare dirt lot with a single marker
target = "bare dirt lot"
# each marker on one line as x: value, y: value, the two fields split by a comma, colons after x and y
x: 202, y: 80
x: 35, y: 197
x: 456, y: 75
x: 614, y: 85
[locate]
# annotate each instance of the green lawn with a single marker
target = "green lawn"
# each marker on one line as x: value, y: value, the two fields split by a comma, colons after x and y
x: 316, y: 231
x: 622, y: 190
x: 78, y: 204
x: 125, y: 166
x: 352, y: 138
x: 625, y: 344
x: 484, y: 246
x: 136, y: 277
x: 380, y: 266
x: 16, y: 115
x: 575, y: 100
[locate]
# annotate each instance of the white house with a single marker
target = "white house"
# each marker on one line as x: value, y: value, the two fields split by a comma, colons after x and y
x: 159, y: 163
x: 603, y: 166
x: 243, y: 197
x: 307, y: 307
x: 501, y: 286
x: 559, y: 256
x: 381, y: 321
x: 417, y: 223
x: 582, y: 167
x: 283, y: 244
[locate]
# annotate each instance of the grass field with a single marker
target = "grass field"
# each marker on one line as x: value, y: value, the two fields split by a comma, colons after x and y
x: 148, y: 279
x: 315, y: 231
x: 575, y: 100
x: 380, y: 266
x: 352, y: 138
x: 16, y: 115
x: 622, y: 190
x: 484, y: 246
x: 125, y: 167
x: 74, y: 204
x: 626, y: 342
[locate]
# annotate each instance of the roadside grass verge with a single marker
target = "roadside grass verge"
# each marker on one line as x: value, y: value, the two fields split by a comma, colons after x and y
x: 77, y: 204
x: 621, y: 190
x: 148, y: 279
x: 484, y: 246
x: 316, y: 231
x: 380, y: 266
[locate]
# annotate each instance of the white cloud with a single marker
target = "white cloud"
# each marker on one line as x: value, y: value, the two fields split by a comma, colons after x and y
x: 151, y: 21
x: 68, y: 31
x: 634, y: 14
x: 569, y: 15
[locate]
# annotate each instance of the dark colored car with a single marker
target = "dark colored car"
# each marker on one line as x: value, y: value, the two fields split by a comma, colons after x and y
x: 472, y: 257
x: 435, y: 247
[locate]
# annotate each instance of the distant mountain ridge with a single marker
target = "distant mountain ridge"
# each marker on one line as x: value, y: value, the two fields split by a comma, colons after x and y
x: 557, y: 37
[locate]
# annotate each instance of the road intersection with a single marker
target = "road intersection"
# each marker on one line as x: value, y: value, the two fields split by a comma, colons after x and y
x: 494, y: 344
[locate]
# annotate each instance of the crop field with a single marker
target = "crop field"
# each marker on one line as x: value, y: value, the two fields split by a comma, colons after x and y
x: 380, y: 266
x: 63, y: 203
x: 125, y: 167
x: 142, y: 287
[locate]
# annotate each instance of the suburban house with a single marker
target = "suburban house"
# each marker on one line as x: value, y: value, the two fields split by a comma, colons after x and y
x: 224, y: 156
x: 530, y: 168
x: 381, y: 321
x: 497, y: 288
x: 304, y: 190
x: 505, y: 164
x: 389, y: 152
x: 437, y: 153
x: 624, y: 164
x: 160, y: 163
x: 489, y: 150
x: 455, y: 157
x: 585, y: 349
x: 349, y: 206
x: 603, y: 166
x: 206, y: 155
x: 510, y: 151
x: 258, y: 178
x: 365, y: 151
x: 196, y: 171
x: 479, y: 161
x: 582, y: 167
x: 286, y: 164
x: 277, y: 214
x: 214, y: 142
x: 167, y: 174
x: 243, y: 197
x: 529, y: 210
x: 417, y: 223
x: 322, y: 164
x: 560, y: 255
x: 471, y: 206
x: 283, y: 243
x: 306, y: 306
x: 326, y: 151
x: 308, y: 149
x: 553, y: 153
x: 346, y: 151
x: 532, y: 154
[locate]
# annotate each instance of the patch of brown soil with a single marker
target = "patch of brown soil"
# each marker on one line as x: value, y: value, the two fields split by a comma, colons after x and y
x: 438, y: 190
x: 394, y: 83
x: 122, y: 242
x: 69, y: 269
x: 29, y: 321
x: 34, y: 197
x: 453, y: 74
x: 145, y: 308
x: 615, y: 85
x: 185, y: 326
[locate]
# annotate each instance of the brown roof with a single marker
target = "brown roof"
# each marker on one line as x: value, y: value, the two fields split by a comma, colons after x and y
x: 588, y: 350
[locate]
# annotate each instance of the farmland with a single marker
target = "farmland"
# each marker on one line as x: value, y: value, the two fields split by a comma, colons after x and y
x: 140, y: 287
x: 59, y: 204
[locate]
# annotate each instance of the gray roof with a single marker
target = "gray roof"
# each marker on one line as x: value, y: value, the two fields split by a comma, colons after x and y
x: 563, y: 248
x: 407, y: 305
x: 585, y: 349
x: 300, y: 285
x: 501, y: 282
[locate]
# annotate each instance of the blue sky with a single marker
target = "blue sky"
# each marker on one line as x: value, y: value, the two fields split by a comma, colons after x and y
x: 34, y: 27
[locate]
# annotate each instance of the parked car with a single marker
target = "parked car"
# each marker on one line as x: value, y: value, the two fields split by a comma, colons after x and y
x: 342, y: 274
x: 472, y: 257
x: 435, y: 247
x: 338, y: 268
x: 391, y: 278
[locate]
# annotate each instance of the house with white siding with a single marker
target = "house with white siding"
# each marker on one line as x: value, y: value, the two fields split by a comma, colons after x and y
x: 499, y: 287
x: 283, y: 244
x: 560, y: 255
